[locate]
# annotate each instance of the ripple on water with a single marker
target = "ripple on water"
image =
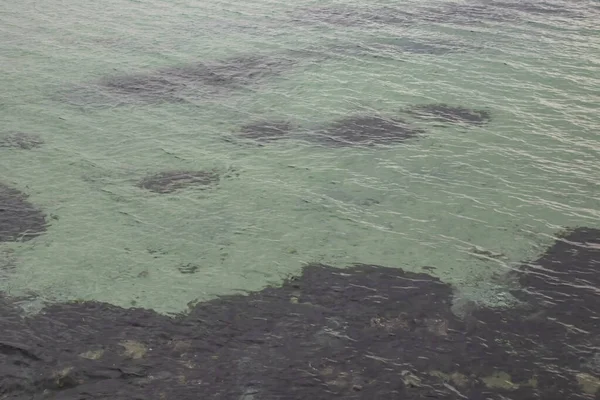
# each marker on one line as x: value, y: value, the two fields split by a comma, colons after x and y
x: 388, y: 48
x: 19, y: 219
x: 363, y: 332
x: 537, y: 7
x: 451, y: 114
x: 444, y: 12
x: 433, y: 47
x: 484, y: 11
x: 351, y: 16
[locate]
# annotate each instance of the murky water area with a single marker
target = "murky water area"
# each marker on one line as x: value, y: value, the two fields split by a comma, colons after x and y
x: 374, y: 199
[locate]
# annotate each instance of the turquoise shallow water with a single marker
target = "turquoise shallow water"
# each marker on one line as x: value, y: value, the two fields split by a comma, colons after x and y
x: 471, y: 202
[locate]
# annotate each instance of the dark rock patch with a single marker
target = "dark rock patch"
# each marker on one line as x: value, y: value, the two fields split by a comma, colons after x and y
x: 171, y: 181
x: 565, y: 281
x: 176, y: 84
x: 20, y: 140
x: 8, y: 263
x: 365, y: 332
x: 266, y: 131
x: 141, y: 87
x: 451, y: 114
x: 367, y: 131
x: 558, y: 327
x: 19, y: 219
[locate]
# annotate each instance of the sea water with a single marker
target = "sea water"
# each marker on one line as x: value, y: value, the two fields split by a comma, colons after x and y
x: 466, y: 203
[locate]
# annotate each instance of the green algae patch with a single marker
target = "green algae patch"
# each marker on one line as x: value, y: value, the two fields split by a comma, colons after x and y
x: 133, y: 349
x: 590, y: 384
x: 499, y: 380
x: 92, y: 354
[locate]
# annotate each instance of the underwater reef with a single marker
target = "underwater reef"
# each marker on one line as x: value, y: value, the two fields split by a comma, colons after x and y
x: 20, y: 220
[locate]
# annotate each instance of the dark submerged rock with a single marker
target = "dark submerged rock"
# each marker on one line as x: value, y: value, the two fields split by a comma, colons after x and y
x: 266, y: 131
x: 170, y: 181
x: 565, y: 281
x: 235, y: 71
x: 142, y: 87
x: 558, y: 328
x: 366, y: 332
x: 175, y: 84
x: 367, y: 131
x: 19, y: 219
x: 20, y: 140
x: 451, y: 114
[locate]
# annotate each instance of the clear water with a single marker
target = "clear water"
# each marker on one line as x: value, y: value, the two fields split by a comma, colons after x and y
x: 507, y: 187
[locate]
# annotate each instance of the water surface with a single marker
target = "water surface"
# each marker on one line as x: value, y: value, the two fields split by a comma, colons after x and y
x: 124, y: 90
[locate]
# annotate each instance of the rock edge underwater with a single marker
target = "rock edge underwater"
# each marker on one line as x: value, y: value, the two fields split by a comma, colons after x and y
x: 364, y: 332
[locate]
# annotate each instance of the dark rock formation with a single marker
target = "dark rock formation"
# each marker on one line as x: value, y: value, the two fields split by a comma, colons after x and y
x: 365, y: 332
x: 19, y: 219
x: 366, y: 131
x: 266, y: 131
x: 174, y: 84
